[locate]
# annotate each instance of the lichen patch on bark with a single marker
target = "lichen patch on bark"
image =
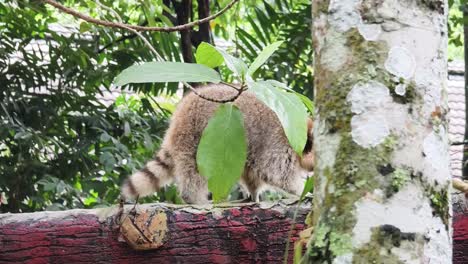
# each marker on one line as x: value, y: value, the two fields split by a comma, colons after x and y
x: 410, y: 201
x: 370, y: 32
x: 400, y: 62
x: 436, y: 158
x: 368, y: 96
x: 334, y: 55
x: 369, y: 129
x: 344, y: 14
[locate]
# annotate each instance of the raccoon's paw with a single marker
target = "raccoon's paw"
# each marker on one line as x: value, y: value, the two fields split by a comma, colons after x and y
x: 198, y: 197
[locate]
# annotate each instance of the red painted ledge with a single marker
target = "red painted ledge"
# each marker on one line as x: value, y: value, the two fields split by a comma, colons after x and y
x: 460, y: 229
x: 239, y: 233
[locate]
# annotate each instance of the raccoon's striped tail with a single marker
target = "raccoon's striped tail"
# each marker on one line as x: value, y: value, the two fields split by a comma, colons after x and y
x: 156, y: 173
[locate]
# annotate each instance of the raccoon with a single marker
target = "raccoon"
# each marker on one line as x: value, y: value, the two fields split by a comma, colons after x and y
x: 270, y: 158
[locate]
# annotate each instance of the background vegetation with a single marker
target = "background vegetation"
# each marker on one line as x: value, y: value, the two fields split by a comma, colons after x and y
x: 62, y: 145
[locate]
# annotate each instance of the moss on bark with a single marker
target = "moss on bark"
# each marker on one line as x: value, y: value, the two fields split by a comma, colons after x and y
x: 379, y: 249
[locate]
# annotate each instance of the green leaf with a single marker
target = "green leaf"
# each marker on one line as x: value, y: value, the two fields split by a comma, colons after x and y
x: 254, y: 23
x: 289, y: 109
x: 263, y: 56
x: 49, y: 183
x: 297, y: 252
x: 279, y: 85
x: 108, y: 160
x: 236, y: 65
x: 149, y: 10
x: 305, y: 100
x: 23, y: 135
x: 105, y: 137
x: 222, y: 151
x: 208, y: 55
x: 127, y: 129
x: 162, y: 72
x: 84, y: 27
x: 308, y: 186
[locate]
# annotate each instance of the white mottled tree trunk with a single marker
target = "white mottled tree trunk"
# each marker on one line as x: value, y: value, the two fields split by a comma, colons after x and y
x: 382, y: 176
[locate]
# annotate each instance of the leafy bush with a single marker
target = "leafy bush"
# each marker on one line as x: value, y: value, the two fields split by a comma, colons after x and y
x: 60, y: 145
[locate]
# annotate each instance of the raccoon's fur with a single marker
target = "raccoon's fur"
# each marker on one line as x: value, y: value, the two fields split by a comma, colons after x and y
x: 270, y: 159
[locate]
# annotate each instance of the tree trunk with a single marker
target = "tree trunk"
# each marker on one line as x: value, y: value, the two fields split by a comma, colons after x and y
x: 239, y: 233
x: 382, y: 191
x: 204, y: 30
x: 183, y: 10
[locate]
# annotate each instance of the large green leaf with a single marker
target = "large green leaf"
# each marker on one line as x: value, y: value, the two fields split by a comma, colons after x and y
x: 167, y: 72
x: 208, y: 55
x: 289, y: 109
x: 236, y: 65
x: 305, y: 100
x: 263, y: 56
x: 222, y: 151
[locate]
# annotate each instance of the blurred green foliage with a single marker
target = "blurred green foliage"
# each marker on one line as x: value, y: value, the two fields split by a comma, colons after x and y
x: 61, y: 145
x: 455, y: 25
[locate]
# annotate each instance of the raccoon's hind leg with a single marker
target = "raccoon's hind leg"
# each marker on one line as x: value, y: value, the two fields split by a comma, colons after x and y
x: 193, y: 187
x: 293, y: 184
x: 291, y: 180
x: 253, y: 184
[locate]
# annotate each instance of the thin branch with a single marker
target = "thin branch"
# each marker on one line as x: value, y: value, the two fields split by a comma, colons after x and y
x: 79, y: 199
x: 232, y: 86
x: 231, y: 99
x: 136, y: 27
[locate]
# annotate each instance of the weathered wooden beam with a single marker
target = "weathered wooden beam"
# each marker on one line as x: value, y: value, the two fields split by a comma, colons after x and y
x: 460, y: 228
x: 239, y: 233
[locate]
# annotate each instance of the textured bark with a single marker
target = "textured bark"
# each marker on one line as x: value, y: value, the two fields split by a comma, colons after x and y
x: 241, y: 233
x: 184, y: 14
x: 204, y: 30
x: 382, y: 175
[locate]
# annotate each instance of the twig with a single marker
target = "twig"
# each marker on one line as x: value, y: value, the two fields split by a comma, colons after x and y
x: 136, y: 27
x: 79, y: 199
x: 231, y: 99
x: 123, y: 38
x: 232, y: 86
